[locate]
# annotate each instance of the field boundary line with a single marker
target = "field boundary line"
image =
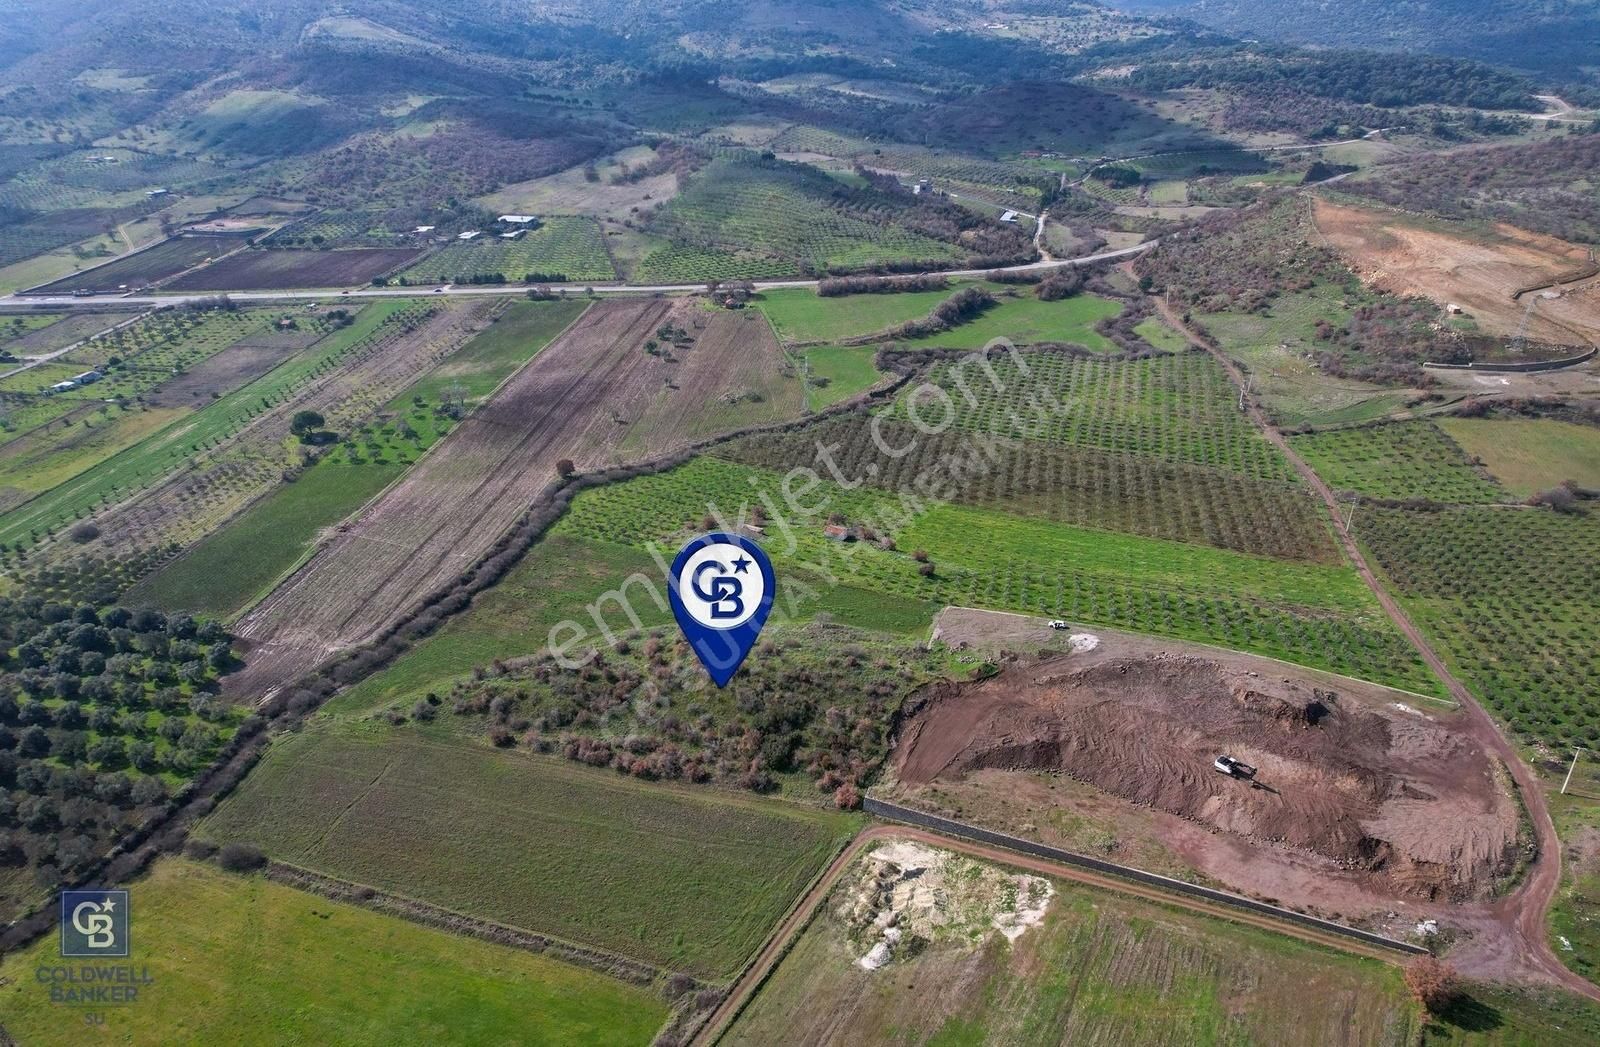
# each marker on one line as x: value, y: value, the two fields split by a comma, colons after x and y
x: 962, y: 830
x: 439, y: 917
x: 311, y: 549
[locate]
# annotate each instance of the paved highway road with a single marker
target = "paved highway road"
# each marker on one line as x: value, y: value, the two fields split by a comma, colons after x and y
x: 17, y: 302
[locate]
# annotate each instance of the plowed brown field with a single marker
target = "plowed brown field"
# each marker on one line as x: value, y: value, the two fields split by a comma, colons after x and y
x: 594, y: 396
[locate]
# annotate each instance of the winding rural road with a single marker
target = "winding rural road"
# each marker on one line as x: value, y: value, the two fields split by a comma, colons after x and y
x: 1521, y: 915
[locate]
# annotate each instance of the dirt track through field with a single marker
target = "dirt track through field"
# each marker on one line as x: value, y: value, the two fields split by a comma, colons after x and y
x: 1511, y: 939
x: 593, y: 396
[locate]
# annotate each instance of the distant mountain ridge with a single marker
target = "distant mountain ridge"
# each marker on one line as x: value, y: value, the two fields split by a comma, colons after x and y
x: 1558, y: 38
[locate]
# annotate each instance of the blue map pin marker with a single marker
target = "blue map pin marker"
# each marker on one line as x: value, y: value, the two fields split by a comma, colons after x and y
x: 721, y: 586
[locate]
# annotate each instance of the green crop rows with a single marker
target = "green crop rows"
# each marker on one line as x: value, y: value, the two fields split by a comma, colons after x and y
x: 1400, y: 461
x: 676, y: 264
x: 563, y: 249
x: 1513, y: 595
x: 1085, y: 488
x: 1315, y: 615
x: 1176, y: 408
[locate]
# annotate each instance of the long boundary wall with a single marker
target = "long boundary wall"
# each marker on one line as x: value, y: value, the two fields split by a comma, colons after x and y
x: 961, y: 830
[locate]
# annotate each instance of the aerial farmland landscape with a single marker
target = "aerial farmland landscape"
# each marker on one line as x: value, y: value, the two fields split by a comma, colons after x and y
x: 1143, y: 456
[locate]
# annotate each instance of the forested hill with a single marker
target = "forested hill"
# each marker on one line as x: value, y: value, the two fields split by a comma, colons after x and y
x: 1557, y: 38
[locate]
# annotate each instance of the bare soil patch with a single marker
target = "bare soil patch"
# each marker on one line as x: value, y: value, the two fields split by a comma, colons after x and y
x: 1357, y: 786
x: 1478, y: 273
x: 242, y: 362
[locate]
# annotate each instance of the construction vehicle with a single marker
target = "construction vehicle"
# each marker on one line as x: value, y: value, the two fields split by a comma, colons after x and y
x: 1233, y: 768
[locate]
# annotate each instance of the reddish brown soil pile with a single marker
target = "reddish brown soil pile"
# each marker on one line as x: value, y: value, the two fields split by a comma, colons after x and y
x: 1388, y: 794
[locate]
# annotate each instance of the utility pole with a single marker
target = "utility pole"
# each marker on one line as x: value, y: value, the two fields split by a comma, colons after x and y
x: 1351, y: 515
x: 1570, y: 769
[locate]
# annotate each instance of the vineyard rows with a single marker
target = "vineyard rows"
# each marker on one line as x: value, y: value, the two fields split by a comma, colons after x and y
x: 1175, y: 408
x: 1513, y: 596
x: 675, y: 264
x: 1400, y: 461
x: 1311, y: 614
x: 1084, y: 488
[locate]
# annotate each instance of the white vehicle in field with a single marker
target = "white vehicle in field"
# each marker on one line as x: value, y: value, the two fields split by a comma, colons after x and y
x: 1057, y: 623
x: 1233, y: 768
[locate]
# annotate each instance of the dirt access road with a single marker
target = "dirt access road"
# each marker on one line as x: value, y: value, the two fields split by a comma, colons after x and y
x: 1514, y: 943
x: 767, y: 960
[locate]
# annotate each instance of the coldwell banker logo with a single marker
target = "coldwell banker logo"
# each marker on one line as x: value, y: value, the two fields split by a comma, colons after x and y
x: 94, y: 924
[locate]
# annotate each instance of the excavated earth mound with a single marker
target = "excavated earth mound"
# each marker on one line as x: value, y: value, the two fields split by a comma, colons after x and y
x: 1394, y: 796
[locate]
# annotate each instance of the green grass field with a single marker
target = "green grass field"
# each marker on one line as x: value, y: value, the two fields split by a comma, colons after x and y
x: 1575, y: 913
x: 679, y: 877
x: 799, y: 315
x: 1026, y: 319
x: 1528, y: 455
x: 1399, y: 460
x: 241, y: 960
x: 231, y: 567
x: 838, y: 372
x: 1155, y: 331
x: 1103, y: 969
x: 1278, y: 345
